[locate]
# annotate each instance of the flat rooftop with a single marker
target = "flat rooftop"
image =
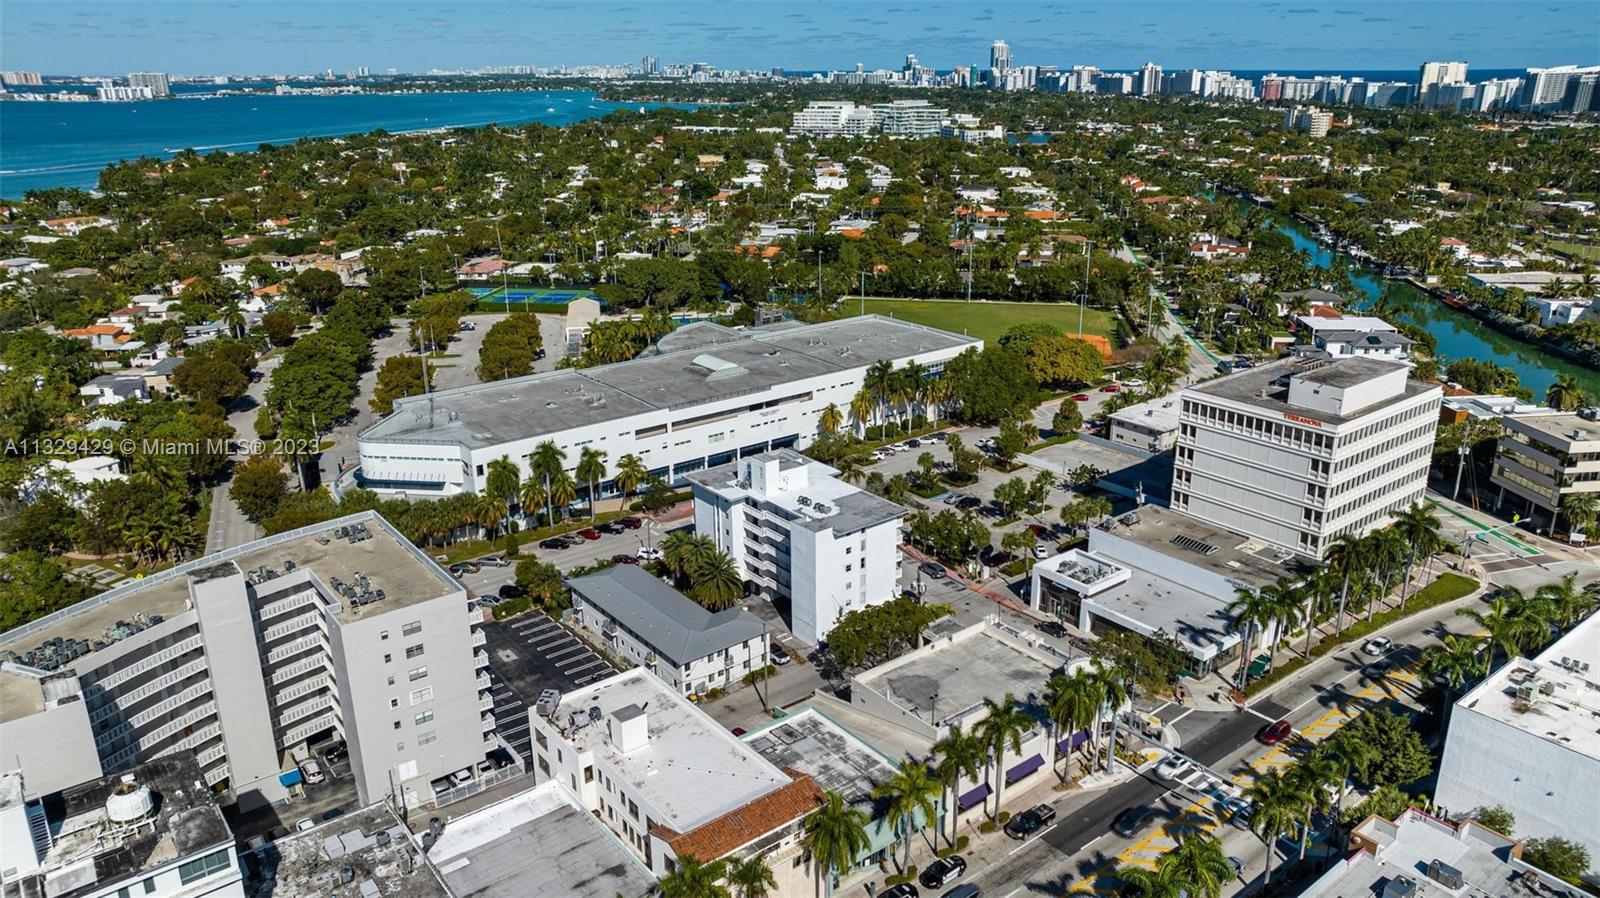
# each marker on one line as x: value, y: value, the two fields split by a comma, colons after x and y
x: 1570, y: 669
x: 681, y: 372
x: 386, y: 558
x: 1407, y: 846
x: 1203, y: 545
x: 824, y: 503
x: 540, y: 837
x: 1267, y: 387
x: 837, y: 760
x: 364, y: 854
x: 950, y: 676
x: 1564, y: 429
x: 186, y: 820
x: 1159, y: 414
x: 1148, y: 603
x: 692, y: 769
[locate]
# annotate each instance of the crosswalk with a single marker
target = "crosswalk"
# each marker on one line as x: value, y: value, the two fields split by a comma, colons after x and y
x: 1202, y: 816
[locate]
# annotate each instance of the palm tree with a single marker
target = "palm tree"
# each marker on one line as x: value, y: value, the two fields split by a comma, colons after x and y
x: 1386, y: 550
x: 503, y: 479
x: 1580, y: 510
x: 879, y: 384
x: 831, y: 419
x: 1569, y: 603
x: 861, y: 407
x: 679, y: 548
x: 1565, y: 394
x: 694, y: 879
x: 911, y: 794
x: 1454, y: 660
x: 1420, y: 530
x: 1344, y: 557
x: 849, y: 469
x: 1002, y: 727
x: 1254, y: 610
x: 532, y: 495
x: 232, y: 316
x: 563, y: 490
x: 961, y: 755
x: 751, y: 876
x: 1111, y: 683
x: 937, y: 394
x: 1072, y: 702
x: 547, y: 461
x: 1312, y: 775
x: 489, y: 511
x: 1514, y: 622
x: 631, y: 472
x: 717, y: 584
x: 1164, y: 881
x: 1279, y: 804
x: 835, y: 835
x: 1201, y: 863
x: 591, y: 470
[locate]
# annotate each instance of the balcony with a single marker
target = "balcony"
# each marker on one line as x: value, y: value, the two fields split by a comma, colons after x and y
x: 485, y: 702
x: 478, y: 639
x: 488, y: 723
x: 484, y: 684
x: 480, y: 660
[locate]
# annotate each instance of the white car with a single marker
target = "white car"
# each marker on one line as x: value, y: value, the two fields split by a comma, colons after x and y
x: 1171, y: 766
x: 304, y: 824
x: 648, y: 553
x: 1378, y: 645
x: 1041, y: 552
x: 881, y: 454
x: 312, y: 771
x: 1133, y: 383
x: 780, y: 658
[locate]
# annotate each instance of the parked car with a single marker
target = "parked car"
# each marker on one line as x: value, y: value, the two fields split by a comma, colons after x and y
x: 913, y: 444
x: 462, y: 568
x: 965, y: 890
x: 312, y: 771
x: 623, y: 558
x: 469, y: 326
x: 631, y: 522
x: 1080, y: 397
x: 932, y: 569
x: 552, y: 543
x: 880, y: 454
x: 589, y: 533
x: 648, y: 553
x: 941, y: 872
x: 937, y: 436
x: 1111, y: 388
x: 336, y: 751
x: 494, y: 561
x: 1377, y: 645
x: 611, y: 527
x: 1051, y: 628
x: 303, y: 824
x: 1133, y: 821
x: 997, y: 558
x: 903, y: 890
x: 966, y: 502
x: 781, y: 657
x: 737, y: 731
x: 1172, y: 765
x: 953, y: 498
x: 512, y: 591
x: 1275, y: 732
x: 1030, y: 821
x: 1133, y: 383
x: 1240, y: 812
x: 488, y: 600
x: 1041, y: 552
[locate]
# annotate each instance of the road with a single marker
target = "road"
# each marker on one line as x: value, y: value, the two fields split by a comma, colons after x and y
x: 228, y: 526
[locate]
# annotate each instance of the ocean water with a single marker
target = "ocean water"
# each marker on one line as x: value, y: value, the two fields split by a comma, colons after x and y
x: 68, y: 144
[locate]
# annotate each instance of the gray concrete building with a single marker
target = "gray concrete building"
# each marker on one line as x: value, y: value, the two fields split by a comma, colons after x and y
x: 338, y: 630
x: 1545, y: 456
x: 1150, y: 426
x: 1298, y: 452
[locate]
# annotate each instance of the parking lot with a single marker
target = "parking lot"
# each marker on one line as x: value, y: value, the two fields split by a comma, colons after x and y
x: 528, y: 654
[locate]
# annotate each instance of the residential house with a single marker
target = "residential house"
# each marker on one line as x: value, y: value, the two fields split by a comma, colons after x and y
x: 110, y: 389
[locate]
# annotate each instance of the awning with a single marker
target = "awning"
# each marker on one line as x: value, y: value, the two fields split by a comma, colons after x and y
x: 973, y: 797
x: 291, y: 777
x: 1023, y: 769
x: 1072, y: 741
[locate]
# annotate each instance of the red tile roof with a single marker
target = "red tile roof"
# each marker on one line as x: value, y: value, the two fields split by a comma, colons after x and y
x: 747, y: 823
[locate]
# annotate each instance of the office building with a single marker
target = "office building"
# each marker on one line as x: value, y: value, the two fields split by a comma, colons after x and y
x: 1418, y: 856
x: 800, y: 534
x: 1545, y: 456
x: 1432, y: 74
x: 1309, y: 120
x: 13, y: 79
x: 1165, y: 577
x: 1525, y: 739
x: 1299, y: 452
x: 670, y: 781
x: 156, y: 81
x: 1149, y: 426
x: 703, y: 396
x: 341, y: 629
x: 153, y: 829
x: 642, y: 620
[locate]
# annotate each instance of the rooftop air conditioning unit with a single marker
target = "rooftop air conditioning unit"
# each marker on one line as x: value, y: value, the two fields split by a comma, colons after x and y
x: 1444, y: 874
x: 1400, y: 887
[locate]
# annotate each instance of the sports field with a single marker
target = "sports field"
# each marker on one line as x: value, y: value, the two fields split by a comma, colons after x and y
x: 987, y: 320
x: 531, y: 295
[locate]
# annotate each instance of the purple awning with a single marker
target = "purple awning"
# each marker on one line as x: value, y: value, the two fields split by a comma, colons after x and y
x: 1073, y: 741
x: 1023, y: 769
x: 972, y: 797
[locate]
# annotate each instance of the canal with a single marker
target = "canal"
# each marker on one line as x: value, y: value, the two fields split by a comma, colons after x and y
x: 1459, y: 334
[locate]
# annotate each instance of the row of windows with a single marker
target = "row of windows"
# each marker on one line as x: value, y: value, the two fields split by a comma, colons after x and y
x: 1403, y: 469
x: 1425, y: 431
x: 1279, y: 431
x: 1393, y: 420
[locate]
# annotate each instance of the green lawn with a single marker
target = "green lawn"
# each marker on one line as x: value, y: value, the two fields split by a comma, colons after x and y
x: 987, y: 320
x: 1582, y: 250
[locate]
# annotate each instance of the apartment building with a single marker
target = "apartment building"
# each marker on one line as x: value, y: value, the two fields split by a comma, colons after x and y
x: 645, y: 621
x: 1149, y: 426
x: 670, y: 781
x: 798, y: 532
x: 703, y: 396
x: 1298, y: 452
x: 1546, y: 455
x: 1309, y: 120
x: 153, y: 829
x: 338, y: 629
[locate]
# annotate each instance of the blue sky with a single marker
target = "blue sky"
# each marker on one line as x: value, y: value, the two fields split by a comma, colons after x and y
x: 202, y: 36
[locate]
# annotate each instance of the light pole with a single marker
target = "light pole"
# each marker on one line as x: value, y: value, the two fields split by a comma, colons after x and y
x: 1084, y: 296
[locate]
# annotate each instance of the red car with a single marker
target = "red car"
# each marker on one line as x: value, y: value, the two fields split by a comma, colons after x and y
x: 624, y: 559
x: 1081, y: 397
x: 631, y: 522
x: 738, y: 731
x: 589, y: 533
x: 1273, y: 733
x: 1111, y: 388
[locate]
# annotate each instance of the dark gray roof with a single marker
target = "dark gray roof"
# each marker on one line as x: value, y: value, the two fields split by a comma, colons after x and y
x: 1374, y: 339
x: 673, y: 625
x: 120, y: 384
x: 165, y: 366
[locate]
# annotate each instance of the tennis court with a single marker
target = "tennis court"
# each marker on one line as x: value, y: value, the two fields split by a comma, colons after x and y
x: 533, y: 295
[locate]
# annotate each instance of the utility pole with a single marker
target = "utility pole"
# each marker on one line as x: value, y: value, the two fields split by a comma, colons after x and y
x: 863, y: 274
x: 1084, y: 296
x: 1461, y: 462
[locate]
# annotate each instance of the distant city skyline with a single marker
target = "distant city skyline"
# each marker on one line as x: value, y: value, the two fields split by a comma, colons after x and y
x: 89, y: 38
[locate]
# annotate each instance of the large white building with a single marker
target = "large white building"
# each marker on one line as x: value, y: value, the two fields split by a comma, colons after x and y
x: 1299, y: 452
x: 1430, y: 75
x: 703, y: 396
x: 671, y: 781
x: 341, y: 629
x: 158, y: 83
x: 643, y: 620
x: 802, y: 535
x: 1525, y: 739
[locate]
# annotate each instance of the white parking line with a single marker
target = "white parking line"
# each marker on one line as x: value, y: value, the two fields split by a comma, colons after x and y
x: 534, y: 624
x: 563, y: 652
